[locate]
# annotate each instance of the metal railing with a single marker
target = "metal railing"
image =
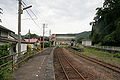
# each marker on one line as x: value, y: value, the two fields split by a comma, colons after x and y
x: 107, y: 47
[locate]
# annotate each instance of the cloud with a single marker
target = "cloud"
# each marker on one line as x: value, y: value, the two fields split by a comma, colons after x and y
x: 62, y: 16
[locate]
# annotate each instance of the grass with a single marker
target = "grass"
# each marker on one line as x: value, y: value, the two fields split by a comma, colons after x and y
x: 102, y: 79
x: 55, y: 63
x: 113, y: 58
x: 63, y: 45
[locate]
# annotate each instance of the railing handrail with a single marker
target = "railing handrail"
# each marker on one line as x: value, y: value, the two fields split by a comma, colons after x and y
x: 10, y: 55
x: 11, y: 61
x: 107, y: 47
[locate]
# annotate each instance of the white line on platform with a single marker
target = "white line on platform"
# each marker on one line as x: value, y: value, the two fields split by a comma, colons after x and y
x: 43, y: 61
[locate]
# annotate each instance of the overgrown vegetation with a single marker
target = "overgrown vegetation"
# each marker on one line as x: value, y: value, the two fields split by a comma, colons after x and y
x: 29, y: 47
x: 106, y: 24
x: 83, y: 35
x: 4, y: 51
x: 102, y: 55
x: 79, y: 40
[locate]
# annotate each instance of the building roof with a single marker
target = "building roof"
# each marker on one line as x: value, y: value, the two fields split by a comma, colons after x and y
x: 65, y: 34
x: 31, y: 40
x: 86, y: 40
x: 15, y: 36
x: 4, y: 28
x: 8, y: 40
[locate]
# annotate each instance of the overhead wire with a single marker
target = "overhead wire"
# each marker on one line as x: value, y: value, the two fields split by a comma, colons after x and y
x: 24, y: 4
x: 30, y: 15
x: 42, y: 17
x: 32, y: 18
x: 30, y: 10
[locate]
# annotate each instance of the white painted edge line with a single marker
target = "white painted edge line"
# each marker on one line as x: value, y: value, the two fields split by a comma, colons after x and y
x: 41, y: 66
x: 52, y: 56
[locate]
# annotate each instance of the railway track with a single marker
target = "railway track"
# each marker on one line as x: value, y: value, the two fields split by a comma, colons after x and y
x: 70, y: 72
x: 104, y: 64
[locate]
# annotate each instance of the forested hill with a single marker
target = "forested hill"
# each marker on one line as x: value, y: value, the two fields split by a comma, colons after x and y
x: 106, y: 24
x: 84, y: 35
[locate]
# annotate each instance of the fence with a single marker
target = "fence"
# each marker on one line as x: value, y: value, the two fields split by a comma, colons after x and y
x: 107, y: 47
x: 14, y: 60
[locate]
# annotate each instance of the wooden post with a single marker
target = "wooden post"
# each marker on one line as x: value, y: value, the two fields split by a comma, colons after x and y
x: 43, y: 34
x: 19, y: 27
x: 40, y: 45
x: 12, y: 63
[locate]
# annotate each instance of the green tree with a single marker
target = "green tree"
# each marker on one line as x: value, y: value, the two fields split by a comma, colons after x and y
x: 106, y: 24
x: 79, y: 40
x: 31, y: 36
x: 5, y: 71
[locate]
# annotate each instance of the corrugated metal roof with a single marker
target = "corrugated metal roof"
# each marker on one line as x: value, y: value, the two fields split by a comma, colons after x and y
x: 15, y: 36
x: 31, y: 40
x: 4, y: 28
x: 7, y: 40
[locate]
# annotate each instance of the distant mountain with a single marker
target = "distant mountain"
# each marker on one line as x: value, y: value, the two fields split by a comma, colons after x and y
x: 85, y: 34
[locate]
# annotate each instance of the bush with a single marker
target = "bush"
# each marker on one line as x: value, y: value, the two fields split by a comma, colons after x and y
x: 5, y: 71
x: 117, y: 55
x: 29, y: 47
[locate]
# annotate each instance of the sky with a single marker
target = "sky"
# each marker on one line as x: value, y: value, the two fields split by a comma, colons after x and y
x: 60, y: 16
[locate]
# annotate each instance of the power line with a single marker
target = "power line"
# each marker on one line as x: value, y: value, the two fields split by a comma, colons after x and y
x: 30, y: 10
x: 37, y: 11
x: 31, y: 17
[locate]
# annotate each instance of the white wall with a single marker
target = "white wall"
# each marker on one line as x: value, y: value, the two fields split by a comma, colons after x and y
x: 23, y: 47
x: 86, y: 43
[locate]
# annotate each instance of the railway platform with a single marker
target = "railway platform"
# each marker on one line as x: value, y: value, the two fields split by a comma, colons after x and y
x: 40, y: 67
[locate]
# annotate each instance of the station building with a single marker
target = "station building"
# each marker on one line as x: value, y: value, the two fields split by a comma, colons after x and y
x: 66, y: 39
x: 86, y: 42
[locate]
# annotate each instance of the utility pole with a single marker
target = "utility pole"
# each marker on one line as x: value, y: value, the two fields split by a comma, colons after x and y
x: 19, y: 26
x: 40, y: 44
x: 29, y: 35
x: 20, y: 11
x: 43, y: 34
x: 50, y: 37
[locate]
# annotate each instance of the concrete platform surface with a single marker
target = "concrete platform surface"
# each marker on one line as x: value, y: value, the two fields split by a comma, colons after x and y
x: 39, y: 67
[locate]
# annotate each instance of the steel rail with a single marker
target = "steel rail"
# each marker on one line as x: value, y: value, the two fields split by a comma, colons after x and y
x: 80, y: 75
x: 75, y: 70
x: 63, y: 68
x: 102, y: 63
